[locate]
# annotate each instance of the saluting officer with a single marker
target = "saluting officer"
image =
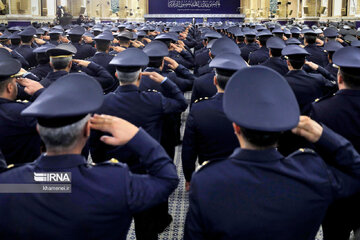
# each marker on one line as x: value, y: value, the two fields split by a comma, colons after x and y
x: 19, y: 140
x: 61, y: 60
x: 26, y: 49
x: 102, y: 56
x: 84, y: 51
x: 209, y: 134
x: 262, y: 54
x: 43, y: 68
x: 143, y: 109
x: 103, y: 197
x: 257, y: 193
x: 275, y: 62
x: 204, y: 85
x: 340, y: 112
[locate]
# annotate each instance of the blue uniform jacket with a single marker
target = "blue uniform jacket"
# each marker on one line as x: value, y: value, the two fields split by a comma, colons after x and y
x: 208, y: 134
x: 247, y: 49
x: 104, y: 197
x: 42, y: 70
x: 84, y: 51
x: 307, y: 88
x: 255, y: 195
x: 204, y: 87
x: 19, y: 140
x: 27, y: 52
x: 278, y: 64
x: 259, y: 56
x: 317, y: 55
x: 99, y: 73
x: 143, y: 109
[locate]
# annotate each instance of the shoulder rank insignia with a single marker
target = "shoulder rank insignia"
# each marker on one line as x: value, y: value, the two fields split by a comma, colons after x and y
x: 202, y: 165
x: 152, y: 90
x: 113, y: 160
x: 22, y: 101
x: 10, y: 166
x: 201, y: 99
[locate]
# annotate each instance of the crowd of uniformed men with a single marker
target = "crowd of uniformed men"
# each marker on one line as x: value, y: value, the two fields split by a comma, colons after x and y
x: 260, y: 92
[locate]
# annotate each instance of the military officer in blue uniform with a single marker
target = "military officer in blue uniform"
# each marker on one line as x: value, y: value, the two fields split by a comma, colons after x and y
x: 61, y: 60
x: 180, y: 55
x: 15, y: 40
x: 262, y: 54
x: 43, y: 68
x: 209, y: 134
x: 157, y: 52
x: 54, y: 34
x: 102, y: 56
x: 316, y: 54
x: 251, y: 45
x: 26, y: 49
x: 257, y: 193
x: 306, y: 86
x: 143, y: 109
x: 19, y: 140
x: 276, y: 62
x: 103, y: 196
x: 204, y: 85
x: 181, y: 76
x: 331, y: 47
x: 84, y: 51
x: 340, y: 112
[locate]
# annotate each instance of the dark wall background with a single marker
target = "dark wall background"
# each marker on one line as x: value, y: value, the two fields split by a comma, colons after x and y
x: 193, y: 6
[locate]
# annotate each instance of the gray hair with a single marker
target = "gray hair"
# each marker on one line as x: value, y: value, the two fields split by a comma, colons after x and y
x: 128, y: 77
x: 62, y: 138
x: 60, y: 63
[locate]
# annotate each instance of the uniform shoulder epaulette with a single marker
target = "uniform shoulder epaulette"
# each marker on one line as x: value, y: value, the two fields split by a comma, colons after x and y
x: 11, y: 166
x: 22, y: 101
x: 207, y: 163
x: 152, y: 90
x: 324, y: 97
x: 302, y: 151
x: 111, y: 162
x: 201, y: 99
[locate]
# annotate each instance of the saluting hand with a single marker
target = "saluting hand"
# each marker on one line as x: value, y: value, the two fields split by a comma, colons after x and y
x: 122, y: 131
x: 31, y: 86
x: 156, y: 77
x: 309, y: 129
x: 172, y: 63
x: 81, y: 62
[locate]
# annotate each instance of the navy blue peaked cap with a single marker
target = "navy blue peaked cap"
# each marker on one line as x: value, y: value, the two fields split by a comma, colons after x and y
x: 156, y: 49
x: 224, y: 45
x: 66, y: 101
x: 259, y: 98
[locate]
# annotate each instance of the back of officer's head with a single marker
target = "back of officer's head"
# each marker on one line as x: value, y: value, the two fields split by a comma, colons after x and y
x: 75, y: 38
x: 63, y: 112
x: 102, y: 45
x: 261, y: 104
x: 348, y: 61
x: 310, y: 38
x: 8, y: 67
x: 61, y: 63
x: 297, y: 61
x: 54, y: 37
x: 26, y: 39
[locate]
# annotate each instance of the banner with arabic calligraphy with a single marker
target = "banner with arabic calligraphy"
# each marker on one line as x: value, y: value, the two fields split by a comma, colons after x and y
x: 193, y: 6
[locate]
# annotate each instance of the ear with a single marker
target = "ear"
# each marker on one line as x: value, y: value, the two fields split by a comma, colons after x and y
x: 140, y: 76
x: 288, y: 63
x: 10, y: 86
x: 87, y: 130
x: 52, y: 66
x: 37, y: 128
x: 215, y: 81
x: 340, y: 78
x: 116, y: 75
x: 237, y: 129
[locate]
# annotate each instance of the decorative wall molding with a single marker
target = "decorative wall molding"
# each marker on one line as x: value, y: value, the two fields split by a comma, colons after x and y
x: 194, y: 16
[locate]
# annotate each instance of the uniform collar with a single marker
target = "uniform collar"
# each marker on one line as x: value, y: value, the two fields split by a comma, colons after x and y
x: 296, y: 72
x: 127, y: 88
x: 151, y: 69
x: 4, y: 100
x: 61, y: 161
x: 350, y: 92
x: 267, y: 155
